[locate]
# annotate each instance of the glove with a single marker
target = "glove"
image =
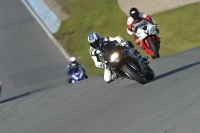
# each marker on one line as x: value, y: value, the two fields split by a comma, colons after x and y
x: 133, y: 34
x: 123, y: 43
x: 103, y: 65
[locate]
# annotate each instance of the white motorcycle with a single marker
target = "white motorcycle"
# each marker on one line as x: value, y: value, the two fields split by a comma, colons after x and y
x: 149, y: 41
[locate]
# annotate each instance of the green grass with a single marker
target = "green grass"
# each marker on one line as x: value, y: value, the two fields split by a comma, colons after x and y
x: 179, y: 28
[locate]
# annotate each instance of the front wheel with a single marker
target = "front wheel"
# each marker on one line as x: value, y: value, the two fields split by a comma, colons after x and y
x: 150, y: 73
x: 129, y: 72
x: 154, y: 49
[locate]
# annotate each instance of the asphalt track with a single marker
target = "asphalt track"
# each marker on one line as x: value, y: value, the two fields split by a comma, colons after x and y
x: 168, y: 104
x: 29, y: 60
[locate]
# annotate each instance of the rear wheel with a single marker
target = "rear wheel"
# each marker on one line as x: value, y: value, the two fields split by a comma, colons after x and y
x: 133, y: 74
x: 154, y: 49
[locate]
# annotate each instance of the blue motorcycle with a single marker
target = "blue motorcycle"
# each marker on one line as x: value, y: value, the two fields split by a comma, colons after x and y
x: 77, y: 75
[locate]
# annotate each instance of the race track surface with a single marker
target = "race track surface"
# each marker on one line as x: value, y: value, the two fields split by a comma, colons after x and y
x: 168, y: 104
x: 29, y: 59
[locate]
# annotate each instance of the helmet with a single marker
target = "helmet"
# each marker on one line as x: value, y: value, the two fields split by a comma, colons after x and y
x: 73, y: 61
x: 94, y: 40
x: 134, y: 13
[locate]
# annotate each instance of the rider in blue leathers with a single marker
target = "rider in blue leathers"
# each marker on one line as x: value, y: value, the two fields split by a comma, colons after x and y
x: 73, y: 64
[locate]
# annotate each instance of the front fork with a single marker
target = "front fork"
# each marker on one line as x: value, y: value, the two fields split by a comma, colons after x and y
x: 156, y: 39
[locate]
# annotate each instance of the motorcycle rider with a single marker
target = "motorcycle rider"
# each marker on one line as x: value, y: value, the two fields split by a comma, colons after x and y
x: 96, y: 42
x: 135, y: 17
x: 73, y: 64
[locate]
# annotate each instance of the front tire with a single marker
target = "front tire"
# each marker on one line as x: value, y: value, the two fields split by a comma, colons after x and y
x: 154, y: 49
x: 150, y: 74
x: 134, y: 75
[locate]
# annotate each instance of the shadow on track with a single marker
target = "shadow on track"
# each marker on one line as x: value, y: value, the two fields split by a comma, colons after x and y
x: 175, y: 71
x: 24, y: 95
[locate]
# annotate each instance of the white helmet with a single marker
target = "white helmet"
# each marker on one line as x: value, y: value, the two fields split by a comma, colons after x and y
x: 73, y: 61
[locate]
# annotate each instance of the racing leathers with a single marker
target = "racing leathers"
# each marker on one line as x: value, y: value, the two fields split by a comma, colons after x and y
x: 96, y: 55
x: 70, y: 67
x: 131, y: 29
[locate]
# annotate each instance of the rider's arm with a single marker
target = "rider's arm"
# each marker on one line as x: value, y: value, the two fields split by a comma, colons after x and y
x: 68, y: 71
x: 146, y: 17
x: 81, y: 67
x: 129, y: 24
x: 118, y: 39
x: 95, y: 56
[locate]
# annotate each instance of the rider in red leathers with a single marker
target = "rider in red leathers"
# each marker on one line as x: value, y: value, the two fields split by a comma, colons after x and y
x: 135, y: 17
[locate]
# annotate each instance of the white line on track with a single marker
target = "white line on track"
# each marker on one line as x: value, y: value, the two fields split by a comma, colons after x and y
x: 46, y: 30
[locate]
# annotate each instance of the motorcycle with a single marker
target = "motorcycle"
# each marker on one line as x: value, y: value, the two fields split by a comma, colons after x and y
x: 126, y: 63
x: 147, y: 34
x: 77, y: 75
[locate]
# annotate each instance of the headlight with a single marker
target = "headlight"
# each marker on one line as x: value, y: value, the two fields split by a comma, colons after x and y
x: 114, y: 57
x: 152, y: 29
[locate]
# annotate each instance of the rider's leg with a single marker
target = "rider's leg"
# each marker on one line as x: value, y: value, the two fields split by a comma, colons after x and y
x: 136, y: 38
x: 109, y: 76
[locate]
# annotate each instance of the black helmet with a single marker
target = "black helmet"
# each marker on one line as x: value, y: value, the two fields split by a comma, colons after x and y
x: 94, y: 40
x: 134, y: 13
